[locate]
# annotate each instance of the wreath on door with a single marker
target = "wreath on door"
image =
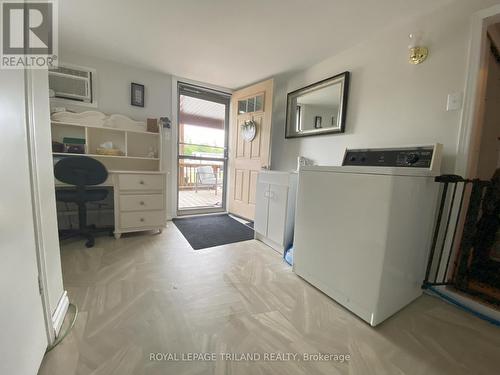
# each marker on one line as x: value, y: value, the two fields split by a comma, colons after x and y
x: 248, y: 130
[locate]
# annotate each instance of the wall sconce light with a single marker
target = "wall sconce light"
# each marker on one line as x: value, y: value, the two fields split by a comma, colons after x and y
x: 418, y: 53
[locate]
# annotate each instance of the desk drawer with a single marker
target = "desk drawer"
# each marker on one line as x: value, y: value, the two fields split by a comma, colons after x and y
x: 141, y: 202
x: 141, y: 181
x: 142, y: 219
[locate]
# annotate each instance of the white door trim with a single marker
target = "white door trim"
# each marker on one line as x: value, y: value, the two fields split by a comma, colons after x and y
x: 46, y: 239
x: 35, y: 194
x: 474, y: 86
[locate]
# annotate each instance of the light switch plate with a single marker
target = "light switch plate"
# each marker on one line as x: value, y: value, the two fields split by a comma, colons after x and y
x: 454, y: 101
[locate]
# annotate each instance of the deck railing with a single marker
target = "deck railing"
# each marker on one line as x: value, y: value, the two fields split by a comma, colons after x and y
x: 187, y: 173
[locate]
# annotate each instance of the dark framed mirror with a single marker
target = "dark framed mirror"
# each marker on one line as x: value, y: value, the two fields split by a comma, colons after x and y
x: 319, y: 108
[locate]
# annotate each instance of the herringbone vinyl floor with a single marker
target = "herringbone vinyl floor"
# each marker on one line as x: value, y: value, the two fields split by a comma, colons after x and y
x: 146, y: 294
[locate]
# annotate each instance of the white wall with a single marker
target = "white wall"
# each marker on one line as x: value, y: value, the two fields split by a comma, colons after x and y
x: 113, y: 87
x: 391, y: 102
x: 23, y: 338
x: 113, y: 91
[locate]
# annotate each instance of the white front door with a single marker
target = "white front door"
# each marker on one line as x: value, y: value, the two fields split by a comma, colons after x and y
x: 23, y: 338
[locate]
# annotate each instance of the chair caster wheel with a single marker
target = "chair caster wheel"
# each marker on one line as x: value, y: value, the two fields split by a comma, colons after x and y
x: 89, y: 243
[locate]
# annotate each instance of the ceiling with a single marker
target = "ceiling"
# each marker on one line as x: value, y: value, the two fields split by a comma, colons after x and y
x: 230, y: 43
x: 199, y: 112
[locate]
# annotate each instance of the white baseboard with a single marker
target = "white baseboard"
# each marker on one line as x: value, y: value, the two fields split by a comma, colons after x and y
x: 60, y: 313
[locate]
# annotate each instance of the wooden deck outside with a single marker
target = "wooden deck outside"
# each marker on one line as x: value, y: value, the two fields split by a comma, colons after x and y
x: 202, y: 198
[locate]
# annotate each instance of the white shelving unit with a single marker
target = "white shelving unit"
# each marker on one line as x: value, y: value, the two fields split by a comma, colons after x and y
x: 135, y: 145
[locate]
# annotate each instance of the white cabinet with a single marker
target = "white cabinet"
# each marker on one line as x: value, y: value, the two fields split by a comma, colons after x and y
x: 275, y: 208
x: 139, y: 201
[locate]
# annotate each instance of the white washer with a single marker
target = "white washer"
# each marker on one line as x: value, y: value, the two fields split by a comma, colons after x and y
x: 363, y: 230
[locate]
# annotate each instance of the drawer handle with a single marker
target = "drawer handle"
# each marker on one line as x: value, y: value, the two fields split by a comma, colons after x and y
x: 141, y: 203
x: 142, y: 220
x: 141, y: 182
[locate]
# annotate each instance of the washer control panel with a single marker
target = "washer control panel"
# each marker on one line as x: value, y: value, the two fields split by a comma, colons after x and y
x: 409, y: 157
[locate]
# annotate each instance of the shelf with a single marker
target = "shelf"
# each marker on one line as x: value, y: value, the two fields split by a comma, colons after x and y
x: 104, y: 127
x: 105, y: 156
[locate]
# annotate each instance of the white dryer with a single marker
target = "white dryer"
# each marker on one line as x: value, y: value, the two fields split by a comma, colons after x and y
x: 363, y: 230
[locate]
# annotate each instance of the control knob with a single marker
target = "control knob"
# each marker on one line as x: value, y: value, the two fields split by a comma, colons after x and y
x: 412, y: 158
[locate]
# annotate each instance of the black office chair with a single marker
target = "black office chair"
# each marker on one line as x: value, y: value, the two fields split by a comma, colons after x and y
x: 82, y: 172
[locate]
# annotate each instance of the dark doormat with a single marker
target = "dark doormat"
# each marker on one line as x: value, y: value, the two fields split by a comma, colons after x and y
x: 212, y: 230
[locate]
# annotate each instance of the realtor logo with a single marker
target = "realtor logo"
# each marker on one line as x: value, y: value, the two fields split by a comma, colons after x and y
x: 29, y: 34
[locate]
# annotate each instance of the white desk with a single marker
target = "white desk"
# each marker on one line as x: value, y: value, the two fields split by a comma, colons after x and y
x: 139, y: 200
x: 136, y: 175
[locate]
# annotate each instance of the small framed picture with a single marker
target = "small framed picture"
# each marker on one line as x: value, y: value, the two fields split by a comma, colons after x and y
x: 137, y: 94
x: 317, y: 122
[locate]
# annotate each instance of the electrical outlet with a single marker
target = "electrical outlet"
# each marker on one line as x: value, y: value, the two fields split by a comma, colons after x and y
x: 454, y: 101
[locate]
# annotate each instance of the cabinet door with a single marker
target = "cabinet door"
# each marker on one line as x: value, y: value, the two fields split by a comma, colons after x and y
x: 261, y: 208
x: 278, y: 196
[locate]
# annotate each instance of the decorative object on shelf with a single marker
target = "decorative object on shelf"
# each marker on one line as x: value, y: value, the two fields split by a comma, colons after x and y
x: 74, y: 145
x: 57, y: 146
x: 137, y: 94
x: 108, y: 151
x: 248, y: 130
x: 152, y: 125
x: 328, y: 98
x: 165, y: 122
x: 418, y: 53
x: 107, y: 148
x: 152, y: 153
x: 317, y: 122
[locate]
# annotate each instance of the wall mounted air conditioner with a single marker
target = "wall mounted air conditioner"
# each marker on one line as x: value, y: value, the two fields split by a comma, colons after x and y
x: 72, y: 83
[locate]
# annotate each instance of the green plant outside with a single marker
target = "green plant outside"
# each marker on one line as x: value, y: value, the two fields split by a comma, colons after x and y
x: 190, y: 150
